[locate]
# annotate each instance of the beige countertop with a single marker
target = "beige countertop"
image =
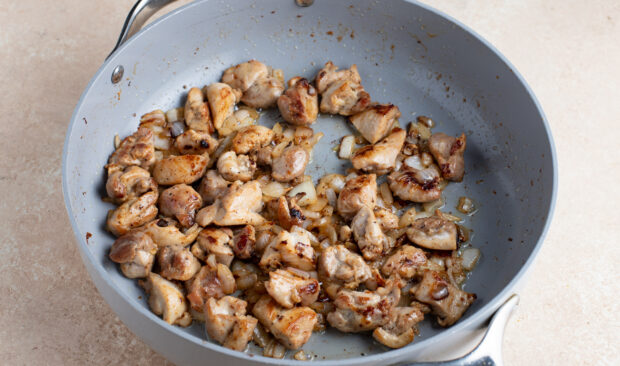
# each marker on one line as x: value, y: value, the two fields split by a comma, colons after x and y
x: 569, y: 52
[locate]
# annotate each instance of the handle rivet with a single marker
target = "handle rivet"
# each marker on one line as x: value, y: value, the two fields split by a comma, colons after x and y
x: 117, y: 74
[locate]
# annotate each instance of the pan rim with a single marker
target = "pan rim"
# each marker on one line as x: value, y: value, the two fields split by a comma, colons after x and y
x: 478, y: 317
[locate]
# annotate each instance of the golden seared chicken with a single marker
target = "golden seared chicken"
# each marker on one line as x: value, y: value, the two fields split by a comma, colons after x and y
x: 407, y: 261
x: 129, y: 183
x: 244, y: 242
x: 416, y: 182
x: 251, y: 138
x: 288, y: 212
x: 213, y: 280
x: 360, y: 311
x: 238, y: 205
x: 290, y: 165
x: 380, y: 158
x: 135, y: 251
x: 368, y: 235
x: 222, y: 99
x: 376, y: 121
x: 133, y: 213
x: 180, y: 169
x: 386, y: 218
x: 448, y: 151
x: 234, y: 167
x: 137, y: 149
x: 180, y: 201
x: 447, y: 301
x: 197, y: 116
x: 292, y: 327
x: 195, y: 142
x: 261, y: 86
x: 339, y: 265
x: 240, y: 118
x: 357, y: 192
x: 167, y: 231
x: 156, y: 122
x: 291, y: 286
x: 167, y: 300
x: 433, y: 233
x: 212, y: 186
x: 290, y: 249
x: 227, y: 323
x: 341, y: 91
x: 177, y: 263
x: 401, y: 328
x: 299, y: 105
x: 214, y: 241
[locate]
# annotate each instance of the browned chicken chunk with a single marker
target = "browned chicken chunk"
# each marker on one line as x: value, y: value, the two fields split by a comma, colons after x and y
x: 448, y: 151
x: 129, y: 183
x: 290, y: 165
x: 135, y: 251
x: 239, y: 205
x: 180, y: 169
x: 447, y: 301
x: 290, y: 249
x: 180, y: 201
x: 433, y: 233
x: 251, y: 138
x: 167, y: 299
x: 400, y: 329
x: 386, y: 218
x: 288, y: 212
x: 216, y: 242
x: 222, y: 99
x: 227, y: 323
x: 234, y: 167
x: 177, y: 263
x: 376, y: 121
x: 292, y: 286
x: 357, y: 193
x: 167, y: 231
x: 341, y: 91
x: 133, y: 213
x: 196, y: 142
x: 299, y: 104
x: 261, y: 86
x: 416, y: 182
x: 380, y: 158
x: 243, y: 75
x: 213, y: 280
x: 292, y: 327
x: 368, y: 235
x: 137, y: 149
x: 407, y: 261
x: 212, y: 186
x: 197, y: 116
x: 339, y: 265
x: 244, y: 242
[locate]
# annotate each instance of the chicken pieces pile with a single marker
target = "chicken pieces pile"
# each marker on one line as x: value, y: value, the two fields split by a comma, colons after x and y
x: 218, y: 219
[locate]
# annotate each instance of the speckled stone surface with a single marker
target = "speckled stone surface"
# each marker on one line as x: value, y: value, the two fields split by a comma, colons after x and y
x: 569, y: 52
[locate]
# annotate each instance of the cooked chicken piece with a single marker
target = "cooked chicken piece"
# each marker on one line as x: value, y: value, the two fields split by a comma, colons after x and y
x: 408, y: 262
x: 129, y: 183
x: 375, y: 122
x: 180, y: 201
x: 380, y: 158
x: 386, y: 218
x: 292, y: 327
x: 433, y: 233
x: 243, y: 75
x: 197, y: 116
x: 358, y: 311
x: 226, y: 322
x: 167, y: 299
x: 448, y: 151
x: 167, y: 231
x: 447, y: 301
x: 290, y: 165
x: 212, y: 186
x: 263, y: 157
x: 289, y: 249
x: 135, y: 251
x: 177, y: 263
x: 400, y: 329
x: 239, y: 205
x: 291, y: 286
x: 234, y: 167
x: 251, y: 138
x: 137, y: 149
x: 213, y: 280
x: 180, y: 169
x: 415, y: 182
x: 156, y: 122
x: 341, y: 91
x: 288, y: 212
x: 214, y: 241
x: 299, y: 104
x: 222, y: 99
x: 196, y: 142
x: 357, y: 193
x: 133, y: 213
x: 368, y: 235
x: 244, y: 241
x: 264, y: 93
x: 339, y: 265
x: 241, y: 118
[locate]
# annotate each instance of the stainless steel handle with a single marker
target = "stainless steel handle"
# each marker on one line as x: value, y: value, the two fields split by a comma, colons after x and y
x: 489, y: 350
x: 138, y: 15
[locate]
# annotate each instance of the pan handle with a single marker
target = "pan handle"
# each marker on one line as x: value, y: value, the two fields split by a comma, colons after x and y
x: 138, y: 15
x: 489, y: 350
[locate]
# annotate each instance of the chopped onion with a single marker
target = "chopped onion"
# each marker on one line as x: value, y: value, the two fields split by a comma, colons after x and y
x: 433, y: 205
x: 277, y: 128
x: 346, y: 147
x: 306, y: 187
x: 447, y: 216
x: 318, y: 205
x: 386, y: 194
x: 300, y: 356
x: 117, y: 141
x: 331, y: 197
x: 175, y: 115
x: 466, y: 205
x: 177, y: 128
x: 408, y: 218
x: 274, y: 189
x: 470, y: 257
